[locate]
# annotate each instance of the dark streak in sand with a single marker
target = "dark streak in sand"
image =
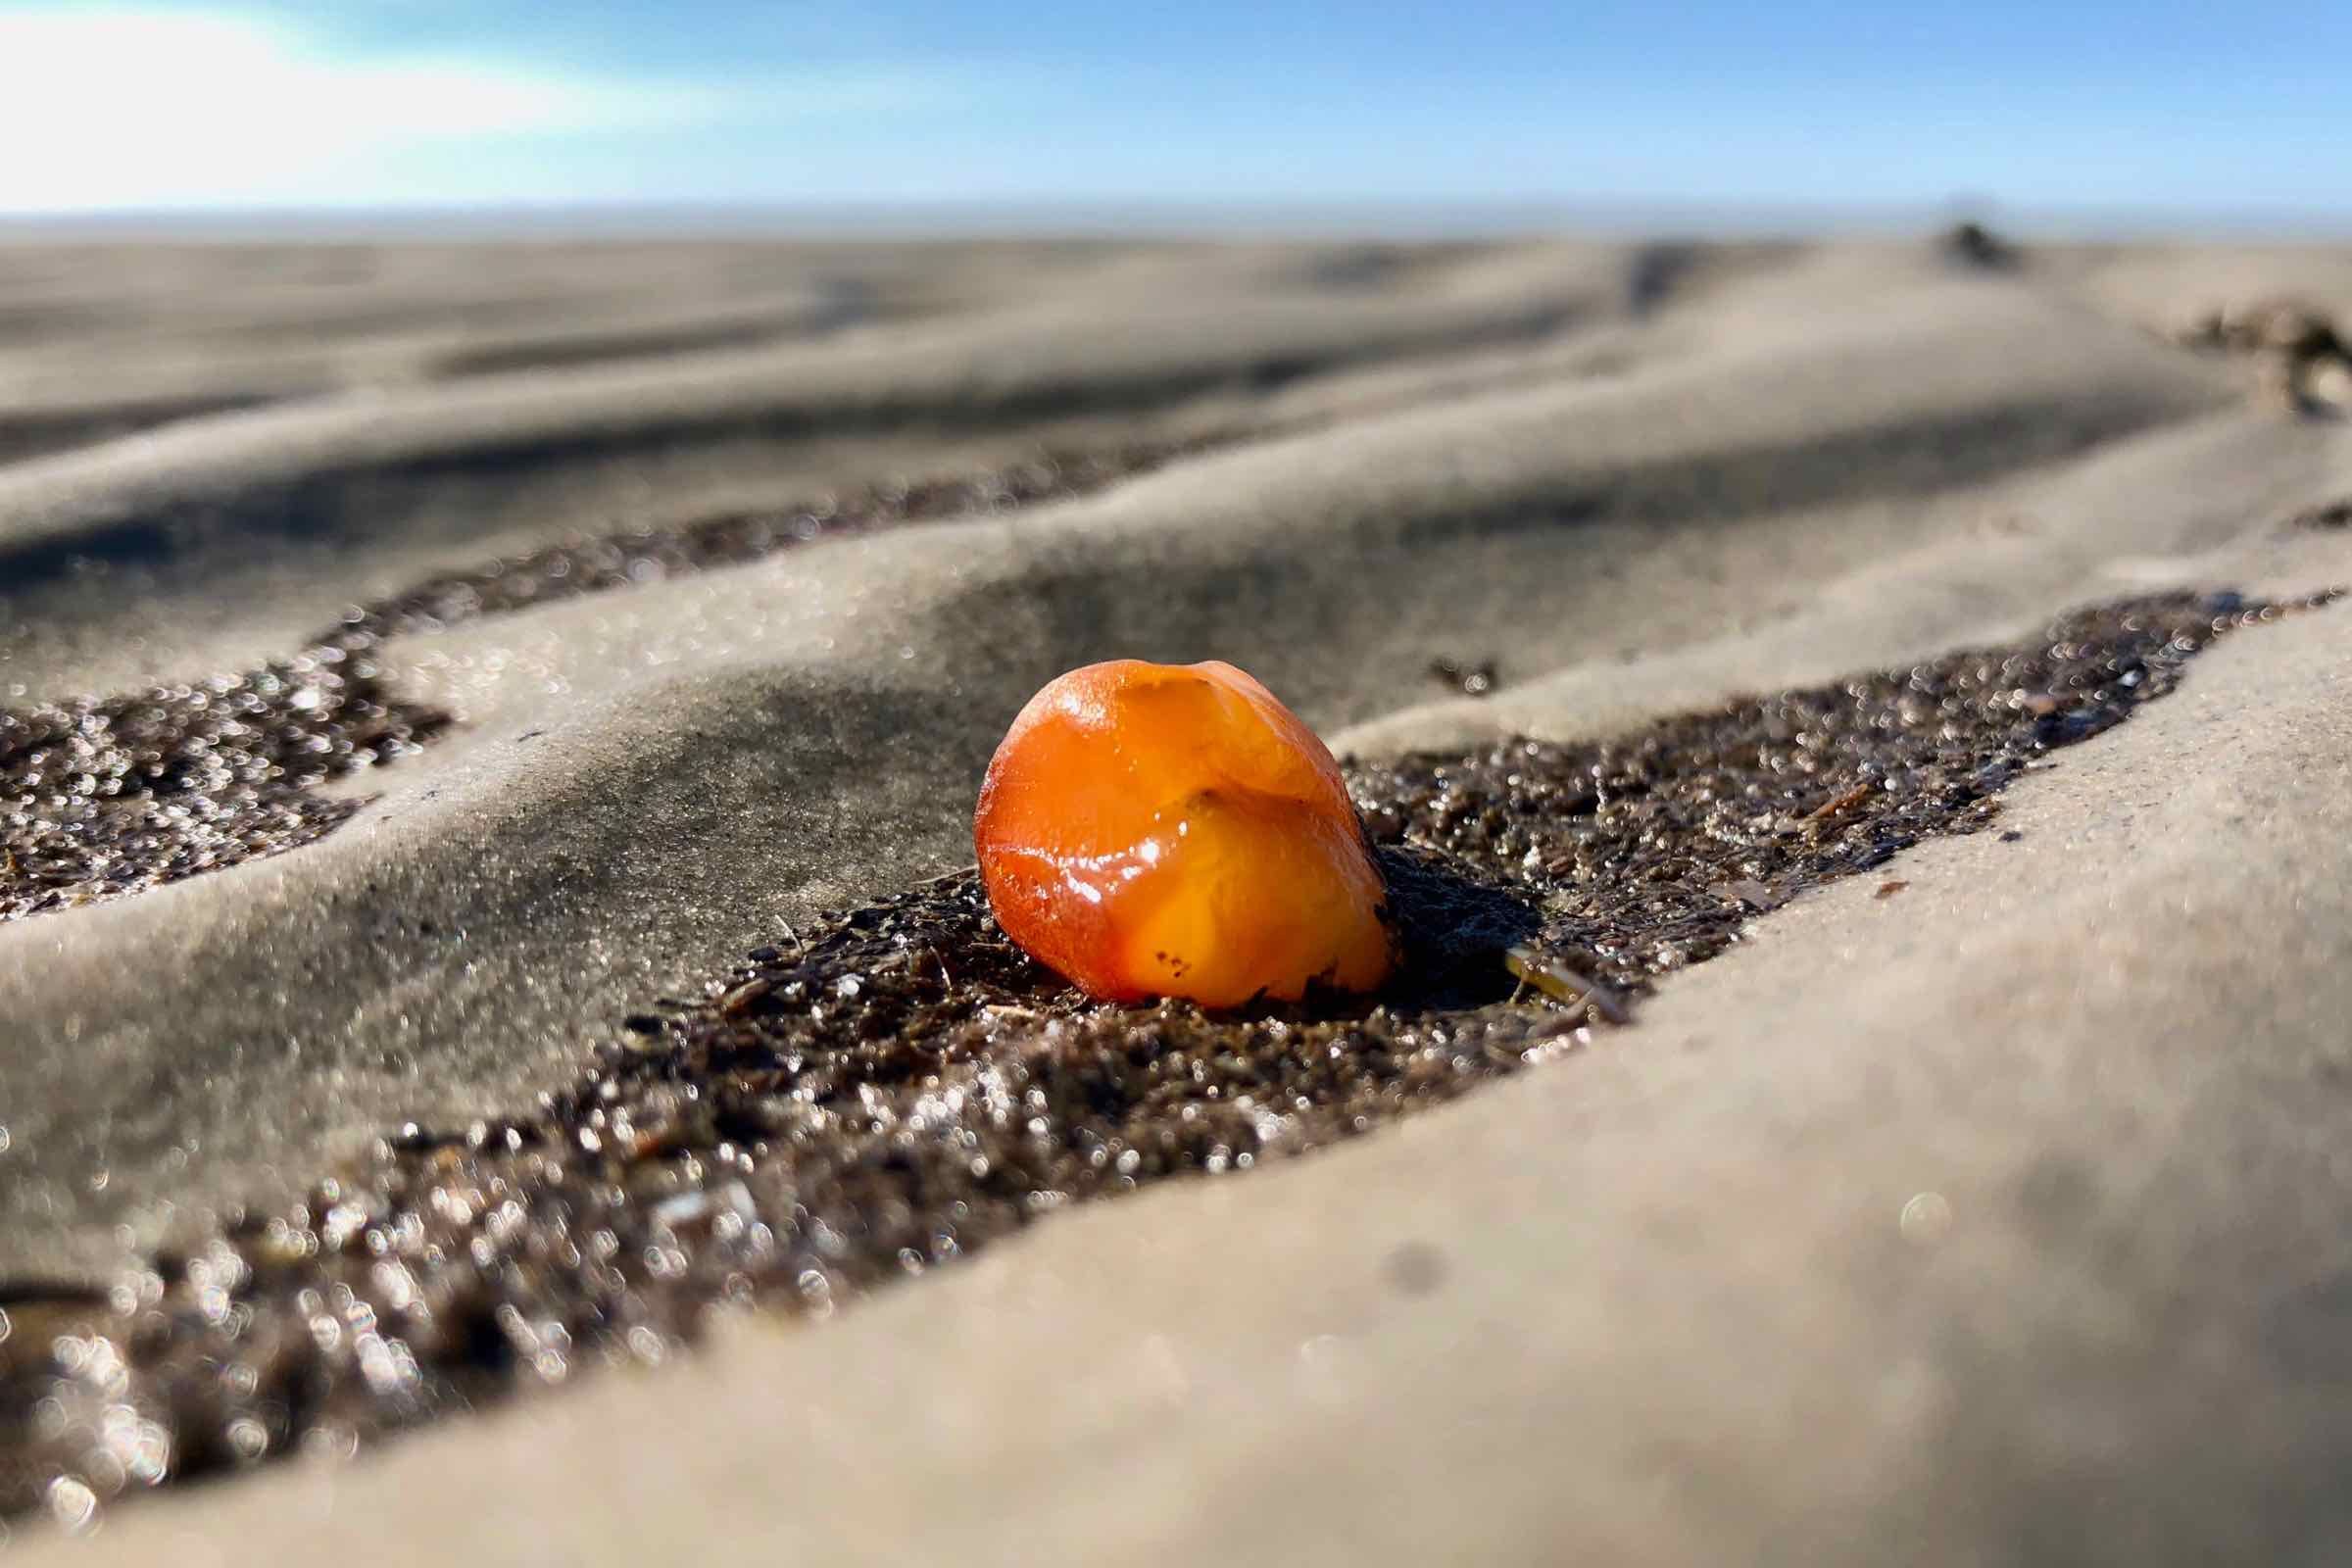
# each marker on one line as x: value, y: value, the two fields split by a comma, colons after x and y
x: 880, y: 1096
x: 101, y: 796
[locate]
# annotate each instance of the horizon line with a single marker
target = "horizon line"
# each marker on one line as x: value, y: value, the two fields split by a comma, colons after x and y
x: 1110, y: 217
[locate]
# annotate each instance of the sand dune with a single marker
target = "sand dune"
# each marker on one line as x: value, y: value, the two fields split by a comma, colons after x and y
x: 1680, y: 1311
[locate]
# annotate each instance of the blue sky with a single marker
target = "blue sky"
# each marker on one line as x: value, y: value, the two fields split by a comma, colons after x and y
x: 2154, y: 108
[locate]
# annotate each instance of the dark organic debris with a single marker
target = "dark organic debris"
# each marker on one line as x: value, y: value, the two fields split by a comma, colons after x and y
x: 649, y: 554
x: 101, y: 796
x: 2327, y: 517
x: 1971, y: 244
x: 2282, y: 325
x: 882, y: 1094
x: 2304, y: 362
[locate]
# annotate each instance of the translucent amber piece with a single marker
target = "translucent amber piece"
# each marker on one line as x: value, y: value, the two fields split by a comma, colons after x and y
x: 1174, y: 830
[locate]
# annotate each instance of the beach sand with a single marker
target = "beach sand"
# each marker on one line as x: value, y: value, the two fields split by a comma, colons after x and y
x: 1994, y: 1215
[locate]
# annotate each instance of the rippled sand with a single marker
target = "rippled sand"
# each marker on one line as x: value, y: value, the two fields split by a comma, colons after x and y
x: 1999, y: 1214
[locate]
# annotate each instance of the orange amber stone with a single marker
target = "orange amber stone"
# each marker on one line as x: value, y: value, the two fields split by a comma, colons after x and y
x: 1174, y: 830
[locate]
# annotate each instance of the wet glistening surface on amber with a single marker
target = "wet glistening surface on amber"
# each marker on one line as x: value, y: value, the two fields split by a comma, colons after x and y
x: 1174, y: 830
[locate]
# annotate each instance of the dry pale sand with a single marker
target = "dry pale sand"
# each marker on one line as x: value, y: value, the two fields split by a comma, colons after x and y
x: 2002, y: 1219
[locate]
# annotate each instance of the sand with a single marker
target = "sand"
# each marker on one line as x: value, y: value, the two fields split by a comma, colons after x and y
x: 1660, y: 1299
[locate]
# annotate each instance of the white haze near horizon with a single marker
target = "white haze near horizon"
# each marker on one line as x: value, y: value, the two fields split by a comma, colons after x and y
x: 107, y: 109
